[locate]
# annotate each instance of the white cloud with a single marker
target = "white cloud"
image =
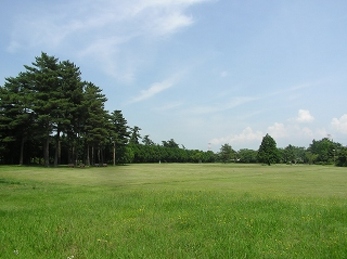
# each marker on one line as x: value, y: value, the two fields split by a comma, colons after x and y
x: 282, y: 133
x: 108, y: 18
x: 307, y: 132
x: 170, y: 23
x: 220, y: 107
x: 340, y: 124
x: 155, y: 89
x: 304, y: 116
x: 278, y: 130
x: 246, y: 136
x: 294, y: 132
x: 168, y: 106
x: 101, y: 31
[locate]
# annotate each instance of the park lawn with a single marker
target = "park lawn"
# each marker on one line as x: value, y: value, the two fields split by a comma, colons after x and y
x: 174, y: 211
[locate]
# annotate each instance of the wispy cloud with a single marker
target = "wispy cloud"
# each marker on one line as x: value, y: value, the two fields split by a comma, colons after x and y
x: 155, y: 89
x: 168, y: 106
x: 100, y: 31
x: 223, y: 106
x: 292, y: 88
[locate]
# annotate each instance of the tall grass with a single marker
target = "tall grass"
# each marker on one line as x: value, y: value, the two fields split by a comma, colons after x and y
x: 173, y: 211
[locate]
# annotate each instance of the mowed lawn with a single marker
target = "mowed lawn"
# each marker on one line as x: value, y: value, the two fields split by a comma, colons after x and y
x: 174, y: 211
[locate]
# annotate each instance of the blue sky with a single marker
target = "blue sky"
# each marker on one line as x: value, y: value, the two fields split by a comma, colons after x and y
x: 203, y: 72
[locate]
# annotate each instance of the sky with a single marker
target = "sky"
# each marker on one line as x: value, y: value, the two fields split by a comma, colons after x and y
x: 202, y: 72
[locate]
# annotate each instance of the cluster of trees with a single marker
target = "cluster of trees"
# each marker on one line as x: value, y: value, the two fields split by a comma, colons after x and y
x: 50, y: 116
x: 324, y: 152
x: 48, y: 109
x: 144, y: 153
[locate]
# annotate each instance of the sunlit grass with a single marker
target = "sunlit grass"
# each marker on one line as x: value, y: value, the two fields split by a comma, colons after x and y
x: 174, y: 211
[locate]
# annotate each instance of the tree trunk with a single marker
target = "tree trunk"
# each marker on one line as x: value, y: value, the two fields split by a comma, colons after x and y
x: 101, y: 155
x: 99, y: 159
x: 93, y: 155
x: 70, y: 155
x: 57, y: 149
x: 87, y: 158
x: 46, y: 152
x: 114, y: 153
x: 59, y: 152
x: 21, y: 151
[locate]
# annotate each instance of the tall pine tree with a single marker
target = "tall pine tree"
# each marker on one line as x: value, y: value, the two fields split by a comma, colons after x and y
x: 17, y: 121
x: 120, y: 135
x: 44, y: 80
x: 96, y: 124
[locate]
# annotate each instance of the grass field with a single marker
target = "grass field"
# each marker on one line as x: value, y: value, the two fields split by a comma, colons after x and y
x: 174, y: 211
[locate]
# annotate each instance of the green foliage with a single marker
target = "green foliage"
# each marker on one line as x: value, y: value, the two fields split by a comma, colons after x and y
x: 155, y: 153
x: 342, y: 157
x: 293, y: 154
x: 120, y: 136
x: 268, y: 152
x: 247, y: 155
x: 147, y: 141
x: 170, y: 143
x: 135, y: 136
x: 226, y: 154
x: 48, y: 108
x: 17, y: 119
x: 324, y: 149
x: 120, y: 128
x: 310, y: 157
x: 96, y: 127
x: 49, y: 112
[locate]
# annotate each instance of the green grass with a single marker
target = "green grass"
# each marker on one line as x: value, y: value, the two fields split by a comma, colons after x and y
x: 174, y: 211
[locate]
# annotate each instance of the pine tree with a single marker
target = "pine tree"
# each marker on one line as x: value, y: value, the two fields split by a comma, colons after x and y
x: 67, y: 117
x: 120, y: 135
x: 135, y: 136
x: 17, y: 117
x: 96, y: 122
x: 44, y: 79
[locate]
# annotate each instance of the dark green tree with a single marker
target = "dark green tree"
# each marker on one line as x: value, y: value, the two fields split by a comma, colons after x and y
x: 120, y: 135
x: 43, y: 77
x: 17, y: 122
x: 227, y: 153
x: 96, y: 130
x: 292, y: 154
x: 47, y: 95
x: 147, y: 141
x: 324, y: 149
x: 341, y: 157
x: 135, y: 136
x: 209, y: 157
x: 68, y: 116
x: 268, y: 152
x: 310, y: 157
x: 170, y: 144
x: 247, y: 155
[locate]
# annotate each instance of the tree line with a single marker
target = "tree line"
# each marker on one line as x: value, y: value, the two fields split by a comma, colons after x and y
x: 50, y: 116
x: 323, y: 152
